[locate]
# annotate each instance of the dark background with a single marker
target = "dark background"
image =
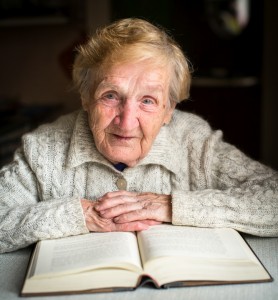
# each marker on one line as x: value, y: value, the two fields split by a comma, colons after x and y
x: 234, y: 81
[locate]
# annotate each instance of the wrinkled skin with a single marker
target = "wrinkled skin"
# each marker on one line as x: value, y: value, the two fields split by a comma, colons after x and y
x: 129, y: 107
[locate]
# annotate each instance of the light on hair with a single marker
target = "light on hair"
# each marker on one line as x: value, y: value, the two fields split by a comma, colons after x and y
x: 130, y: 40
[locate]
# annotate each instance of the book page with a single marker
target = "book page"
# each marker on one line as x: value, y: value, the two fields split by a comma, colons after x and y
x: 169, y: 240
x: 174, y: 254
x: 86, y: 252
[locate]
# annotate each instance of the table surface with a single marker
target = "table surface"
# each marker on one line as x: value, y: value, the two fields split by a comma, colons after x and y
x: 13, y: 269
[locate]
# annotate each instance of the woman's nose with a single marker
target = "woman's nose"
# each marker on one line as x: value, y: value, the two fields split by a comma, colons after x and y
x: 127, y: 118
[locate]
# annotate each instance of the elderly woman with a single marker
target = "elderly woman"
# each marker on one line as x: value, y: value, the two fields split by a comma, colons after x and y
x: 128, y: 159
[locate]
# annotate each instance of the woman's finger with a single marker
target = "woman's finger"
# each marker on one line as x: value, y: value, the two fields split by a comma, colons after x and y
x: 121, y: 208
x: 115, y: 200
x: 158, y: 210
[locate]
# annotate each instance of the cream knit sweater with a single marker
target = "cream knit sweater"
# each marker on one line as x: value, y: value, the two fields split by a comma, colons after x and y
x: 211, y: 182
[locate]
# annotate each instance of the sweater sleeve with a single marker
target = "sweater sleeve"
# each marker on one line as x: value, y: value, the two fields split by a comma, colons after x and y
x: 24, y: 219
x: 241, y: 193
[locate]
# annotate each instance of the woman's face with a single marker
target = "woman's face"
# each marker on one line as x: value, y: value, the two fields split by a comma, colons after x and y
x: 128, y: 109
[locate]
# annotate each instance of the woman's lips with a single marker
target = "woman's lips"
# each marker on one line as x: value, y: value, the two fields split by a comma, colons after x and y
x: 123, y: 138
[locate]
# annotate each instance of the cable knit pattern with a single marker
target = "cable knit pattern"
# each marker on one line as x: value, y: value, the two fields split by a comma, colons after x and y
x: 211, y: 182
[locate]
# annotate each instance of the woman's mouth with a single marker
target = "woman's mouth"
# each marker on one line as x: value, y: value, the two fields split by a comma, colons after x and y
x: 122, y: 137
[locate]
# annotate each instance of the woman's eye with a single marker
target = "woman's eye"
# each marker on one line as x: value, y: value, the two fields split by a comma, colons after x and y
x: 110, y: 96
x: 149, y: 104
x: 148, y: 101
x: 110, y: 99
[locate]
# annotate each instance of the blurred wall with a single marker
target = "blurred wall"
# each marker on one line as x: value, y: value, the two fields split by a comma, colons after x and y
x: 32, y: 71
x: 36, y: 59
x: 270, y: 85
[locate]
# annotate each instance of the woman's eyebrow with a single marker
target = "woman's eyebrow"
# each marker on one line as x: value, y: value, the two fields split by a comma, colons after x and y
x: 148, y: 88
x: 155, y: 87
x: 105, y: 85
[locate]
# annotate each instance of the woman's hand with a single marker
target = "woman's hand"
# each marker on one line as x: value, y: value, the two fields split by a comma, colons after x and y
x: 96, y: 222
x: 125, y: 207
x: 126, y: 211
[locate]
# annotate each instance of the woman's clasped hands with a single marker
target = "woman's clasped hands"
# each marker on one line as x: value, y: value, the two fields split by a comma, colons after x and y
x: 126, y: 211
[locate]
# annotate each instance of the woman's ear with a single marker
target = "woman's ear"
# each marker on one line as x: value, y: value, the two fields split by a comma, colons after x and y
x: 85, y: 103
x: 169, y: 113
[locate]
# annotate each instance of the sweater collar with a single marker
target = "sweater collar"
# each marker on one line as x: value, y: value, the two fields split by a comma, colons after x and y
x: 165, y: 150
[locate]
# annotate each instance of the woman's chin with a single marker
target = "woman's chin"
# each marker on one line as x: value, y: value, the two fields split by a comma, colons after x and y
x: 129, y: 160
x: 129, y: 155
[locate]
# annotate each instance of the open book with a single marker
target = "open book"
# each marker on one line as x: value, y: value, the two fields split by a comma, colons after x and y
x: 166, y: 254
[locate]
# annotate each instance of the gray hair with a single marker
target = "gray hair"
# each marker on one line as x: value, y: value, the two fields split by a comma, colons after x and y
x: 127, y: 40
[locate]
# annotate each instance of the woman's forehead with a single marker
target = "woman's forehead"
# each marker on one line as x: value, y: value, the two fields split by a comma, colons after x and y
x: 149, y: 73
x: 133, y: 83
x: 123, y: 85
